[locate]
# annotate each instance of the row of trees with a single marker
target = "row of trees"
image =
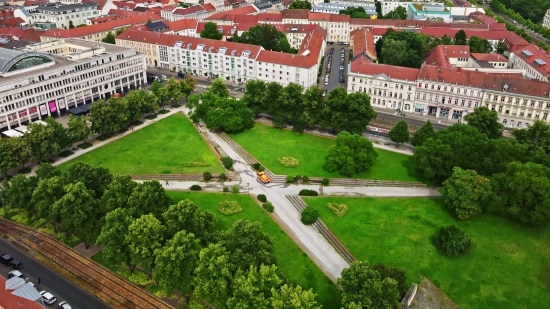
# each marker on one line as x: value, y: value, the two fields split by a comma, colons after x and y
x: 300, y: 4
x: 359, y: 12
x: 482, y: 171
x: 139, y: 225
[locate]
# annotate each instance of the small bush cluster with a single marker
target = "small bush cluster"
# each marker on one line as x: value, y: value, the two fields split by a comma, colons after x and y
x: 307, y: 192
x: 309, y: 215
x: 195, y: 164
x: 225, y: 189
x: 258, y: 167
x: 452, y: 241
x: 229, y: 207
x: 289, y: 178
x: 325, y: 182
x: 195, y: 188
x: 288, y: 161
x: 338, y: 209
x: 207, y: 176
x: 268, y: 206
x: 223, y: 176
x: 235, y: 188
x: 305, y: 179
x: 227, y: 163
x: 262, y: 198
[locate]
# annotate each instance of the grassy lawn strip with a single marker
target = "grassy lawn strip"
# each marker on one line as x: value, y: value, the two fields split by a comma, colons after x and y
x: 295, y: 264
x: 507, y: 267
x: 268, y: 144
x: 170, y: 146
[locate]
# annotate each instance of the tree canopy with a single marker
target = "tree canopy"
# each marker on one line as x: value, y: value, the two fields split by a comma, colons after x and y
x: 355, y: 12
x: 401, y: 48
x: 267, y: 36
x: 210, y: 31
x: 300, y: 4
x: 485, y: 121
x: 350, y: 154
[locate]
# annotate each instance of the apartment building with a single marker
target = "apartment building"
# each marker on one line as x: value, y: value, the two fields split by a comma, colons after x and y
x: 199, y: 11
x: 335, y: 8
x: 546, y: 20
x: 54, y: 15
x: 49, y: 78
x: 532, y: 59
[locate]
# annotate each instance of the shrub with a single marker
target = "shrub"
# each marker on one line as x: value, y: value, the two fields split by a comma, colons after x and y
x: 305, y: 178
x: 235, y: 188
x: 256, y: 166
x: 262, y: 198
x: 452, y: 241
x: 338, y: 209
x: 325, y: 182
x: 261, y: 168
x: 297, y: 178
x: 307, y: 192
x: 195, y: 164
x: 396, y: 274
x: 309, y: 215
x: 225, y: 189
x: 288, y: 161
x: 207, y: 176
x: 222, y: 176
x: 227, y: 163
x: 289, y: 178
x: 229, y: 207
x: 268, y: 206
x: 195, y: 188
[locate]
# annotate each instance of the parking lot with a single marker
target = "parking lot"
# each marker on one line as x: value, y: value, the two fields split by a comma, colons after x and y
x: 335, y: 66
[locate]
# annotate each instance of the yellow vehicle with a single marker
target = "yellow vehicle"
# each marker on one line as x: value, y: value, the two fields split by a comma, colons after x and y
x: 263, y: 178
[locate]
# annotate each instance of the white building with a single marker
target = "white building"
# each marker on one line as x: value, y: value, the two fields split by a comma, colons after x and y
x: 546, y: 20
x: 532, y: 59
x: 49, y: 78
x: 54, y: 15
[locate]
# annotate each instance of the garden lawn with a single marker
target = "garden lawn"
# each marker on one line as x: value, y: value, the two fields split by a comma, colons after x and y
x: 164, y: 147
x: 267, y: 144
x: 295, y: 264
x: 507, y: 267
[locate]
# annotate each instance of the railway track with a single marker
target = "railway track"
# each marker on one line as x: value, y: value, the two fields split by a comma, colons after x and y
x: 323, y: 230
x: 111, y: 288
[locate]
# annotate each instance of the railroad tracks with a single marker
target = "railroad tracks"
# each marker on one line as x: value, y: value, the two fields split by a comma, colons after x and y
x: 323, y: 230
x: 109, y: 287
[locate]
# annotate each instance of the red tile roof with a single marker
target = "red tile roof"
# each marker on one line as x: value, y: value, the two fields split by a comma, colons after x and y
x: 488, y: 57
x: 512, y: 40
x: 366, y: 67
x: 230, y: 15
x: 441, y: 54
x: 10, y: 301
x: 319, y: 16
x: 226, y: 30
x: 124, y: 4
x: 27, y: 34
x: 97, y: 28
x: 537, y: 54
x: 295, y: 28
x: 458, y: 76
x: 295, y: 14
x: 182, y: 24
x: 35, y: 2
x: 398, y: 23
x: 518, y: 85
x: 340, y: 18
x: 363, y: 43
x: 270, y: 17
x: 237, y: 19
x: 195, y: 9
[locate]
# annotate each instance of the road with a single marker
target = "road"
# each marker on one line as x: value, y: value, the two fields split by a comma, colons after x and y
x: 52, y: 282
x: 412, y: 121
x: 333, y: 81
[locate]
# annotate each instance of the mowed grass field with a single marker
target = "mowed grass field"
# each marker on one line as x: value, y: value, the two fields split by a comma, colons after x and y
x: 169, y: 146
x: 268, y: 144
x: 294, y: 262
x: 507, y: 267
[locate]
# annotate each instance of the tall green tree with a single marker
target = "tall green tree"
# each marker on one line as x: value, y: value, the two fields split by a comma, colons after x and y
x: 229, y: 115
x: 399, y: 13
x: 421, y: 135
x: 20, y: 150
x: 479, y: 45
x: 145, y: 236
x: 347, y: 112
x: 117, y: 193
x: 460, y: 38
x: 109, y: 117
x: 109, y: 38
x: 6, y: 156
x: 485, y: 121
x: 94, y: 178
x: 293, y: 297
x: 175, y: 263
x: 218, y: 88
x: 173, y: 91
x: 396, y: 274
x: 49, y: 191
x: 113, y: 238
x: 149, y: 197
x: 501, y: 48
x: 535, y: 136
x: 350, y: 154
x: 210, y: 31
x: 71, y: 25
x: 300, y: 4
x: 313, y: 105
x: 252, y: 288
x: 46, y: 170
x: 253, y: 97
x: 289, y: 108
x: 19, y: 193
x: 365, y: 287
x: 400, y: 132
x: 138, y: 101
x: 42, y: 141
x: 185, y: 215
x: 248, y: 245
x: 466, y: 193
x: 59, y: 132
x: 214, y: 275
x: 355, y: 12
x: 79, y: 128
x: 188, y: 86
x: 401, y: 48
x: 267, y: 36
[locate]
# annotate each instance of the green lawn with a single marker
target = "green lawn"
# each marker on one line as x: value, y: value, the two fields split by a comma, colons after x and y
x: 268, y: 144
x: 296, y: 265
x: 507, y: 267
x: 169, y: 146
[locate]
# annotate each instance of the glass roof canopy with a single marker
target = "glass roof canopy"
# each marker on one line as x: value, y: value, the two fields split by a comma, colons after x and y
x: 13, y: 60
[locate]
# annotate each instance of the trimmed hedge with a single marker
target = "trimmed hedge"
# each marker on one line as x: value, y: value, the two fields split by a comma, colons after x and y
x: 227, y: 163
x: 225, y: 189
x: 309, y: 215
x: 307, y: 192
x: 262, y: 198
x: 195, y: 188
x: 325, y: 182
x: 268, y: 206
x: 207, y: 176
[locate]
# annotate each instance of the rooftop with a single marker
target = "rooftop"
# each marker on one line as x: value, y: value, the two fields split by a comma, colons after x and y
x: 10, y: 301
x: 537, y: 58
x: 12, y: 60
x: 488, y: 57
x: 366, y: 67
x: 56, y: 7
x: 441, y: 54
x: 230, y: 15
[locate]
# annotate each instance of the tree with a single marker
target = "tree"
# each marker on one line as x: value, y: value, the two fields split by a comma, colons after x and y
x: 214, y: 275
x: 466, y: 193
x: 6, y: 156
x: 400, y: 132
x: 173, y: 91
x: 79, y: 128
x: 138, y: 101
x: 401, y: 48
x: 479, y: 45
x: 59, y: 132
x: 149, y: 197
x: 290, y: 108
x: 252, y: 288
x: 347, y: 112
x: 395, y: 53
x: 175, y: 263
x: 20, y: 150
x: 210, y: 31
x: 219, y: 89
x: 253, y: 97
x: 117, y: 193
x: 229, y: 115
x: 535, y: 136
x: 446, y: 40
x: 113, y: 238
x: 485, y: 121
x: 94, y: 178
x: 293, y: 297
x: 145, y: 236
x: 460, y: 37
x: 300, y: 4
x: 248, y: 245
x: 71, y: 25
x: 396, y: 274
x: 48, y: 191
x: 358, y: 12
x: 399, y: 13
x: 188, y: 86
x: 421, y: 135
x: 109, y: 38
x: 158, y: 90
x: 350, y: 154
x: 108, y: 117
x: 78, y: 210
x: 313, y: 105
x: 366, y: 288
x: 267, y: 36
x: 452, y: 241
x: 42, y: 141
x: 501, y: 48
x: 185, y: 215
x: 19, y: 193
x: 523, y: 191
x: 378, y: 6
x: 46, y: 170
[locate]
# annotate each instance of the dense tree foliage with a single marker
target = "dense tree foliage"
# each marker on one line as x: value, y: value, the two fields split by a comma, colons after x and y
x: 300, y: 4
x: 400, y: 132
x: 347, y: 112
x: 422, y: 134
x: 350, y: 154
x: 267, y: 36
x: 485, y: 121
x: 452, y: 241
x: 396, y: 274
x: 479, y: 45
x: 401, y: 48
x: 210, y: 31
x: 355, y: 12
x: 528, y: 9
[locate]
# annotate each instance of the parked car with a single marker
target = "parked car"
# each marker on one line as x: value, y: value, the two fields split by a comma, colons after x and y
x: 48, y: 297
x: 64, y: 305
x: 181, y: 74
x: 6, y: 259
x: 16, y: 264
x: 341, y: 67
x: 15, y: 273
x: 331, y: 51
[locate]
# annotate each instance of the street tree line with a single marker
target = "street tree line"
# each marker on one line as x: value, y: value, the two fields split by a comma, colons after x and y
x: 483, y: 172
